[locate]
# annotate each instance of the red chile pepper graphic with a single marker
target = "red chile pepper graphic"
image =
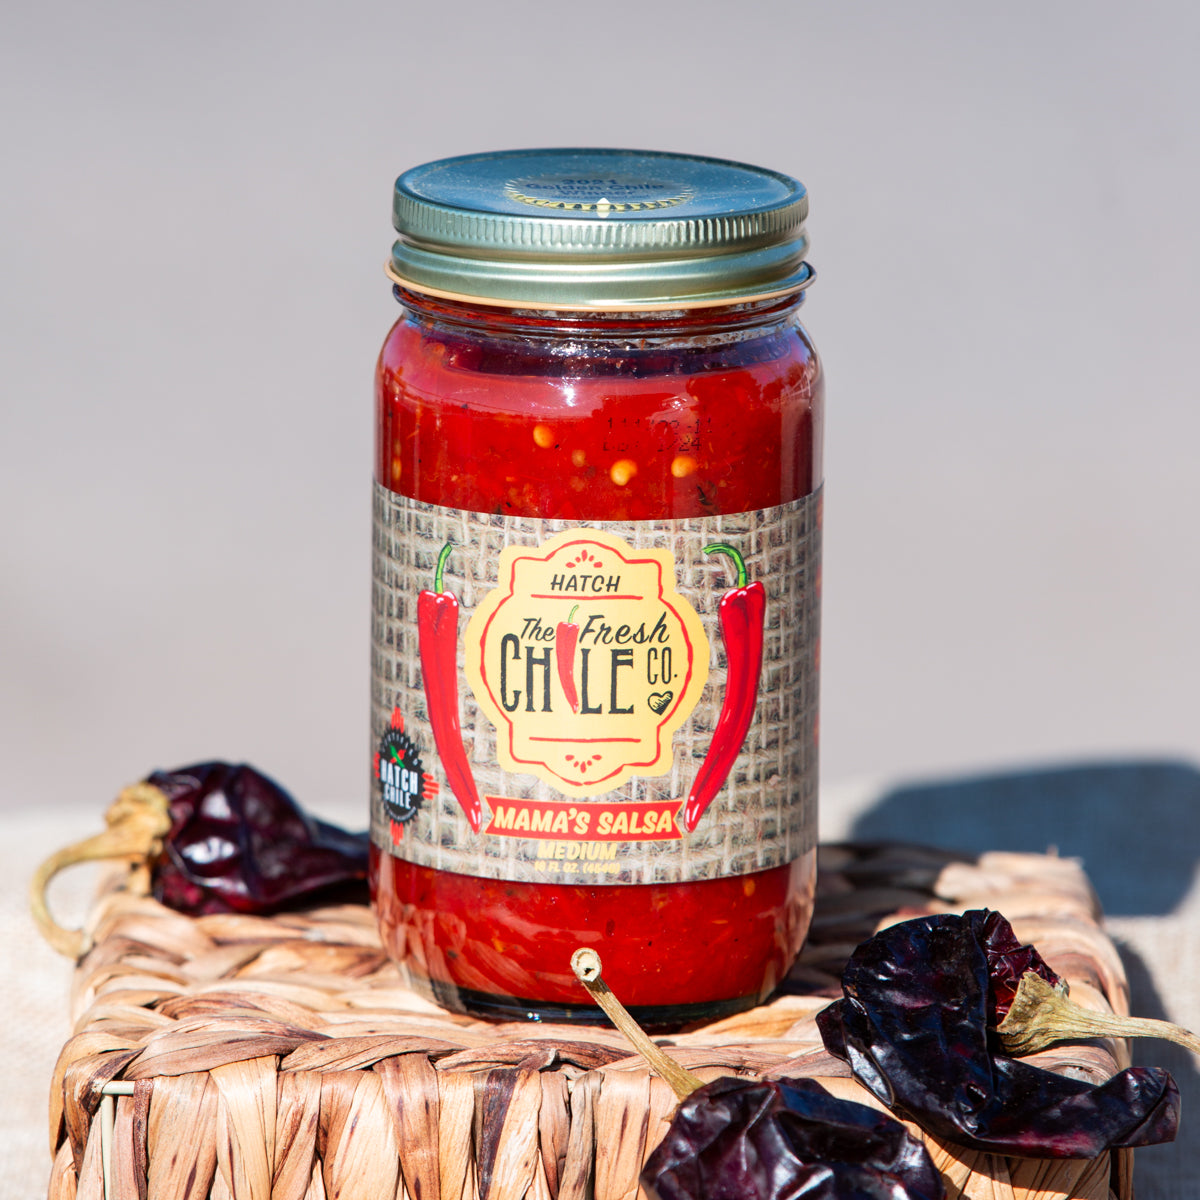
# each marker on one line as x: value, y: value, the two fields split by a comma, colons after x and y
x: 741, y: 611
x: 437, y: 626
x: 565, y: 638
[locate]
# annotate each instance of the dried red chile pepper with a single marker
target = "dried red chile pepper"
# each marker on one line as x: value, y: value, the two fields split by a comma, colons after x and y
x: 741, y: 612
x: 757, y: 1139
x: 744, y: 1139
x: 239, y: 843
x: 920, y: 1001
x: 437, y: 629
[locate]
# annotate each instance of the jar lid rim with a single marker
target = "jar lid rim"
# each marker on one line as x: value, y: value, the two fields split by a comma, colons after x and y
x: 799, y: 283
x: 598, y: 227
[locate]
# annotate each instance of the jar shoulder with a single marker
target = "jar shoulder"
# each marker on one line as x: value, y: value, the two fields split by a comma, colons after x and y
x: 422, y: 362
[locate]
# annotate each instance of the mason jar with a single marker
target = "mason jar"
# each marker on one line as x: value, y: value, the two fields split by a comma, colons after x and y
x: 596, y: 587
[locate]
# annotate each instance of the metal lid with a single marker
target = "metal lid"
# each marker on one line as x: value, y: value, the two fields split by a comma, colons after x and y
x: 608, y: 229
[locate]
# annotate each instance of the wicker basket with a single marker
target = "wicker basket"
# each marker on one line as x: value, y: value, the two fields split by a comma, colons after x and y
x: 248, y: 1058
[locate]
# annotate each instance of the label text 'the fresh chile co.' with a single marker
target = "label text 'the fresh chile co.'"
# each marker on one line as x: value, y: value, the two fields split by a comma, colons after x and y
x: 586, y: 659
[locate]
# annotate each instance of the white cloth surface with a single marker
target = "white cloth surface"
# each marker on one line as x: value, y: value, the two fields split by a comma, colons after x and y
x: 1161, y: 954
x: 35, y: 985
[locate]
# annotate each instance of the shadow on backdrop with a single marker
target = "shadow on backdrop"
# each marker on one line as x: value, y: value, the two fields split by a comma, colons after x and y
x: 1135, y: 825
x: 1158, y: 1170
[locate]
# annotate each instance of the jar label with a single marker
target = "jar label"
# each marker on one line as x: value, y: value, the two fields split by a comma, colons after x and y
x: 615, y: 702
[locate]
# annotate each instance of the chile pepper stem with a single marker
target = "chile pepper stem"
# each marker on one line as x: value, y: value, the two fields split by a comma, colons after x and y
x: 1042, y: 1015
x: 441, y: 567
x: 137, y: 820
x: 586, y: 964
x: 571, y: 614
x: 735, y: 554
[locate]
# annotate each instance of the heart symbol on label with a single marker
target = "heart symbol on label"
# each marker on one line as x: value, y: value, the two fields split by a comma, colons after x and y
x: 659, y: 701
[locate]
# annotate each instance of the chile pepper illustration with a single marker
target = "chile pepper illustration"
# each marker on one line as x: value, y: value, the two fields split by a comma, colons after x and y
x: 565, y: 638
x: 437, y: 627
x: 741, y: 611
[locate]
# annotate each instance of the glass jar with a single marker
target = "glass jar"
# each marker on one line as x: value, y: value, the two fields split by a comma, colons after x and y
x: 596, y: 584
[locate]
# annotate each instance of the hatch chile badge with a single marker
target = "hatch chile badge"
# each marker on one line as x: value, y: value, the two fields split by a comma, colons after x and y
x: 586, y: 659
x: 401, y: 776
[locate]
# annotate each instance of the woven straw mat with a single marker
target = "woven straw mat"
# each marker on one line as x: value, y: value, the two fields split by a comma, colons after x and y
x: 284, y: 1059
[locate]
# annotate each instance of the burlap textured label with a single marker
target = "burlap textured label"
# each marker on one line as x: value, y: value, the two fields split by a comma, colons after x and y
x: 613, y: 702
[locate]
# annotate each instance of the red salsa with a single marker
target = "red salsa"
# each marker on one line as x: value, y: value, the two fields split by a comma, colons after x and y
x: 625, y: 415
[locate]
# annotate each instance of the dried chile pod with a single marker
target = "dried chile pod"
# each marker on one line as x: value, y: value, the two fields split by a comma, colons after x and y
x: 753, y: 1139
x: 914, y: 1025
x: 208, y: 839
x: 748, y: 1139
x: 239, y: 843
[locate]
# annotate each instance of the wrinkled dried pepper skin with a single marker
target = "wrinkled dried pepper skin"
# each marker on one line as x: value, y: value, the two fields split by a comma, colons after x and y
x: 1007, y: 961
x: 239, y: 843
x: 914, y: 1025
x: 751, y: 1139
